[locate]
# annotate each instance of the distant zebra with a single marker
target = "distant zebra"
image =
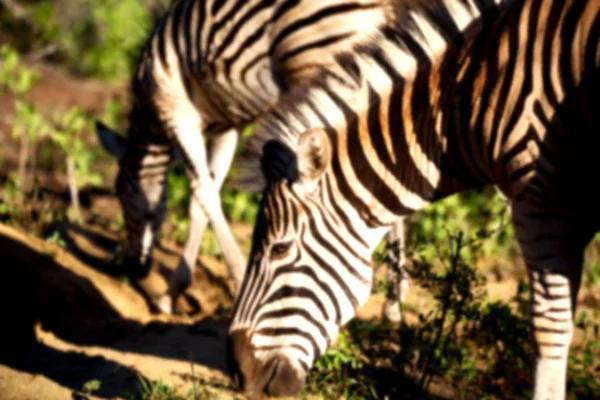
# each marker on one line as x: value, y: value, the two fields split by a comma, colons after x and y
x: 208, y: 68
x: 456, y: 94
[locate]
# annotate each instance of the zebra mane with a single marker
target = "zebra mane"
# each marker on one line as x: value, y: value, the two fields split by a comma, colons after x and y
x: 275, y: 125
x: 413, y: 22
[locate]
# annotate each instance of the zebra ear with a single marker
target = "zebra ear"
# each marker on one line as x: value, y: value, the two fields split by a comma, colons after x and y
x: 279, y: 162
x: 314, y: 154
x: 254, y: 169
x: 110, y: 140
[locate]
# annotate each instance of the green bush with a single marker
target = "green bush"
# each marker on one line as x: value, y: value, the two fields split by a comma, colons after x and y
x: 476, y: 213
x: 103, y: 38
x: 337, y: 374
x: 460, y: 337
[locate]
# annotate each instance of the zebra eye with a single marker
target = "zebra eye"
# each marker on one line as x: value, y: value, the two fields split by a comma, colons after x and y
x: 280, y: 249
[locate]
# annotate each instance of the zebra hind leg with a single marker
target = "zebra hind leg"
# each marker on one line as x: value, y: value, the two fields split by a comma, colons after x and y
x: 397, y: 279
x: 552, y: 247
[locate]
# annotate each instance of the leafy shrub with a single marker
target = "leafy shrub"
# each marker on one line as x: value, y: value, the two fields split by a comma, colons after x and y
x: 14, y: 77
x: 337, y: 374
x: 98, y: 38
x: 474, y: 213
x: 583, y: 363
x: 103, y: 39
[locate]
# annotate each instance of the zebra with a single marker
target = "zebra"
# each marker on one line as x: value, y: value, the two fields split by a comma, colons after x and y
x: 208, y: 69
x: 452, y: 96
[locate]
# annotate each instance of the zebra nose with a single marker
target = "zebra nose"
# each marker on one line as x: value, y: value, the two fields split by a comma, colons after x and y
x: 275, y: 377
x: 285, y: 379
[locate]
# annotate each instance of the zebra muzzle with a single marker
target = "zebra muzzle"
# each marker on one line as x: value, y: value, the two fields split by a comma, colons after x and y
x: 275, y: 377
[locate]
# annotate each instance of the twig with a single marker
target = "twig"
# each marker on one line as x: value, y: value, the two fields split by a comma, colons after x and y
x: 40, y: 54
x: 20, y: 13
x: 23, y: 158
x: 72, y: 177
x: 15, y: 8
x: 425, y: 377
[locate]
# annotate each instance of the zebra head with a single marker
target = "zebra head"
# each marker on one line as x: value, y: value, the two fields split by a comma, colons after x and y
x: 308, y: 271
x: 141, y: 188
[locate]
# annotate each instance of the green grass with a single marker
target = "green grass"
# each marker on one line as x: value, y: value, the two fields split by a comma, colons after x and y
x: 158, y: 390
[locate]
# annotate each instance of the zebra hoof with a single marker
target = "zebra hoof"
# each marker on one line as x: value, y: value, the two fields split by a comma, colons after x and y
x: 180, y: 280
x: 165, y: 304
x: 391, y: 311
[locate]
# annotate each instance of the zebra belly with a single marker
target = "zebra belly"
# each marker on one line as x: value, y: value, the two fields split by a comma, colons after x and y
x: 226, y: 101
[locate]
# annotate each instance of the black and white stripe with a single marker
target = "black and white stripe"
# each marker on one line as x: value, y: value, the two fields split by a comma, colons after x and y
x: 455, y: 94
x: 209, y: 68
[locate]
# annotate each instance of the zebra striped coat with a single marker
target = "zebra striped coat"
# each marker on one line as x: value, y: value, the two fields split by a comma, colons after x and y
x: 456, y: 95
x: 209, y: 68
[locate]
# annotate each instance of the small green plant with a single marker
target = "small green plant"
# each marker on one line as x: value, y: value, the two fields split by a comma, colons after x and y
x: 178, y: 190
x: 118, y: 224
x: 239, y: 206
x: 87, y: 389
x: 337, y: 374
x: 461, y: 336
x: 591, y: 274
x: 102, y: 39
x: 31, y: 127
x: 56, y: 238
x: 28, y: 124
x: 379, y: 285
x: 91, y: 386
x: 14, y: 76
x: 181, y: 226
x: 66, y: 133
x: 457, y: 290
x: 583, y: 364
x: 158, y: 390
x: 474, y: 213
x: 5, y: 210
x: 155, y: 391
x: 210, y: 245
x: 113, y: 113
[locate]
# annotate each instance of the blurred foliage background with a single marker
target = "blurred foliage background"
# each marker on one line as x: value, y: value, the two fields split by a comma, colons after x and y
x: 102, y: 40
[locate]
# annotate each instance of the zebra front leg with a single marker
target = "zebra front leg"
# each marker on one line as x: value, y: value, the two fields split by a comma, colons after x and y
x: 397, y: 280
x: 552, y: 247
x: 221, y: 149
x: 206, y: 193
x: 181, y: 278
x: 220, y: 152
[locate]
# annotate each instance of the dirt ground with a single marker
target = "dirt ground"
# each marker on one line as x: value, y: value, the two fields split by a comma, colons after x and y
x: 71, y: 319
x: 68, y: 318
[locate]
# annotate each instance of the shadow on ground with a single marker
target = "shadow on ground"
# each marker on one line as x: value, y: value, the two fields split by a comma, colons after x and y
x: 35, y: 289
x: 99, y: 253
